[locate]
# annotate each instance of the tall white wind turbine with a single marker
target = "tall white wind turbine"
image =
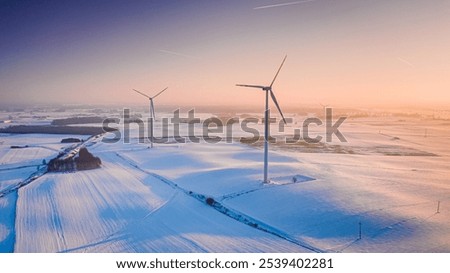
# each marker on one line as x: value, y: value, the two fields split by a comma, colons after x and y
x: 268, y: 90
x: 152, y: 111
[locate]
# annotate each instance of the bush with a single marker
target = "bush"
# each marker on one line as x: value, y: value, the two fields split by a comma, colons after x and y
x: 210, y: 201
x: 19, y: 147
x: 70, y: 140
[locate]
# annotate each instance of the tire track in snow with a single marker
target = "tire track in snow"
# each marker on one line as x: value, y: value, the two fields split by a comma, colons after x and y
x: 234, y: 214
x: 237, y: 194
x: 117, y: 234
x: 161, y: 206
x: 268, y: 186
x: 184, y: 238
x: 56, y: 221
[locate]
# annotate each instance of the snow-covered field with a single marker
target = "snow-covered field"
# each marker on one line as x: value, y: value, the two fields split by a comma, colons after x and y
x: 387, y: 180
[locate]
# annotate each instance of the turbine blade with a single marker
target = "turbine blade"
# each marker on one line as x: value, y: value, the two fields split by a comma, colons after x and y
x: 160, y: 93
x: 141, y: 93
x: 276, y: 104
x: 279, y: 69
x: 252, y: 86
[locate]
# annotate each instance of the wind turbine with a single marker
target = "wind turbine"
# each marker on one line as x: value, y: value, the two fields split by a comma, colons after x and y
x: 268, y: 90
x: 324, y: 105
x: 152, y: 111
x: 324, y: 108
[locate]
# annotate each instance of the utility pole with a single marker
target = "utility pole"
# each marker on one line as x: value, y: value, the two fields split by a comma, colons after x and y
x: 360, y: 231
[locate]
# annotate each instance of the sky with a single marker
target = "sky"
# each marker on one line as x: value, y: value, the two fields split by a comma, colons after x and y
x: 339, y: 52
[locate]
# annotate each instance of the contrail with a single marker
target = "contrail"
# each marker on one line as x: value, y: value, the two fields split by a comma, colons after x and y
x: 284, y: 4
x: 405, y: 61
x: 175, y: 53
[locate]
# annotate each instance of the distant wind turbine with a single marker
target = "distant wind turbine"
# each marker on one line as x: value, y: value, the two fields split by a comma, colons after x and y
x: 324, y: 107
x: 152, y: 111
x: 268, y: 90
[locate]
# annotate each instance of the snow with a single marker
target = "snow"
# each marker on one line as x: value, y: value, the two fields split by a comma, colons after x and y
x: 216, y: 170
x: 119, y: 209
x: 105, y: 198
x: 7, y: 220
x: 202, y: 230
x: 153, y: 200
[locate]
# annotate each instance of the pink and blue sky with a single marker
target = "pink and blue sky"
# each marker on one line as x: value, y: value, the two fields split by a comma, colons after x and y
x: 341, y: 52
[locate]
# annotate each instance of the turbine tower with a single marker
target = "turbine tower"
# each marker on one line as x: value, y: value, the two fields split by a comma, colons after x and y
x: 268, y: 90
x: 152, y: 111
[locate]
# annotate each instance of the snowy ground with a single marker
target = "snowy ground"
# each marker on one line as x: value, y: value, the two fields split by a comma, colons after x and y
x: 153, y: 200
